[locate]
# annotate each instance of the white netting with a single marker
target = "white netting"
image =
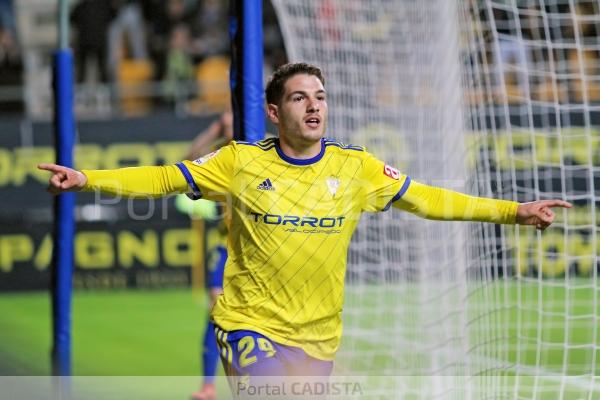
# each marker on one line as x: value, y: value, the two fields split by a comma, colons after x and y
x: 531, y: 80
x: 492, y: 98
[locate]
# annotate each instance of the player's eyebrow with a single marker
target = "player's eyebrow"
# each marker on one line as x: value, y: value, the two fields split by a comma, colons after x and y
x: 304, y: 93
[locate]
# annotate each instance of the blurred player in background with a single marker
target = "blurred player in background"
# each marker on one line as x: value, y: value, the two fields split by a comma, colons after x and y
x: 218, y: 134
x: 295, y: 202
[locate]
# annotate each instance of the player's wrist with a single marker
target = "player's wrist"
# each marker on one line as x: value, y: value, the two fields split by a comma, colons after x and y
x: 82, y: 180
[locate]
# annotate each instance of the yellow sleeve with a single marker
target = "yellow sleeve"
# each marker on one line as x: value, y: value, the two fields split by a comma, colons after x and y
x: 442, y: 204
x: 383, y: 184
x: 204, y: 177
x: 144, y: 181
x: 210, y: 176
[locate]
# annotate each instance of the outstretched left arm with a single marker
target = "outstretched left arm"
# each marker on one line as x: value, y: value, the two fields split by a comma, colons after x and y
x: 441, y: 204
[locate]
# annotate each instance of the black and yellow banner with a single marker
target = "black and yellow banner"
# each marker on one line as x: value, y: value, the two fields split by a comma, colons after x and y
x: 119, y: 242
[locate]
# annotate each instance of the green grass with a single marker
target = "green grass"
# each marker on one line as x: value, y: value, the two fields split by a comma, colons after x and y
x: 118, y: 333
x: 158, y: 333
x: 130, y: 336
x: 549, y: 326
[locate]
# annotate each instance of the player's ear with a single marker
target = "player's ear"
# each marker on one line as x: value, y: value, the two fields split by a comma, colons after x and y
x: 273, y: 113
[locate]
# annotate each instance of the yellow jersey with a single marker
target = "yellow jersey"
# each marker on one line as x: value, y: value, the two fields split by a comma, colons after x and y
x: 291, y: 225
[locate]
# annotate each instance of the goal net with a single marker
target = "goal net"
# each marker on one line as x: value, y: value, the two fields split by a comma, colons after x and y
x: 493, y: 98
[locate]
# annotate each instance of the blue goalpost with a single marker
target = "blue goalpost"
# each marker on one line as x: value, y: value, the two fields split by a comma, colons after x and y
x: 246, y: 75
x: 64, y: 204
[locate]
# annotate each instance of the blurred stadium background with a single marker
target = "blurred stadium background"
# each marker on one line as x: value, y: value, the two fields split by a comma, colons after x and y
x: 150, y: 76
x: 497, y: 98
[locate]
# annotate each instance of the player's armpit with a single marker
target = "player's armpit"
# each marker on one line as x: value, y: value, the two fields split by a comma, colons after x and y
x: 144, y: 181
x: 442, y: 204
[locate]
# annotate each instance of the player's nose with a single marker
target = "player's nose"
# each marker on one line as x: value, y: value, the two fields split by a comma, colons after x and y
x: 313, y: 105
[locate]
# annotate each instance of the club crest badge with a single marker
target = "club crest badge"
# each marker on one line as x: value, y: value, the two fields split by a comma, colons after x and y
x: 333, y: 184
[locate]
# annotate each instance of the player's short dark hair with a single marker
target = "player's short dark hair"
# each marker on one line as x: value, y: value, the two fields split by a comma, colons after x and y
x: 276, y: 83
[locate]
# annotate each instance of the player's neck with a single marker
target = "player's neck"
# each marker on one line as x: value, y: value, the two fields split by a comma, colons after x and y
x: 301, y: 150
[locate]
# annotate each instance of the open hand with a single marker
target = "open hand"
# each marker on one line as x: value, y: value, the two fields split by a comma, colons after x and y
x: 539, y: 213
x: 64, y: 179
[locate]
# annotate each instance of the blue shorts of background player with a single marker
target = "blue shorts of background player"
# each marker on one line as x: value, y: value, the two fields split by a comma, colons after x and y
x: 210, y: 352
x: 216, y: 267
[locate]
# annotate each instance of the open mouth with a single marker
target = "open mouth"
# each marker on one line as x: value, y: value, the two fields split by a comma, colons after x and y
x: 312, y: 122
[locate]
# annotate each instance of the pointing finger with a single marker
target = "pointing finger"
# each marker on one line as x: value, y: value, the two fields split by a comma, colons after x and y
x: 557, y: 203
x: 51, y: 167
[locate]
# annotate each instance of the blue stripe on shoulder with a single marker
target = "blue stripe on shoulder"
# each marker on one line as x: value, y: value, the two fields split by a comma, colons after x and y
x: 246, y: 143
x: 265, y: 144
x: 197, y: 194
x: 400, y: 193
x: 269, y: 147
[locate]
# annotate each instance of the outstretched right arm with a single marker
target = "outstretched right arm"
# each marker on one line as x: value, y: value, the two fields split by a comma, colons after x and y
x: 208, y: 177
x: 145, y: 181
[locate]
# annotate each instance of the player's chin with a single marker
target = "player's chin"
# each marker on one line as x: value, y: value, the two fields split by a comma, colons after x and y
x: 313, y: 134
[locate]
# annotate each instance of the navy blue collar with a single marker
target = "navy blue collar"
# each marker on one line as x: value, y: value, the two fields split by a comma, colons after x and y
x: 300, y: 161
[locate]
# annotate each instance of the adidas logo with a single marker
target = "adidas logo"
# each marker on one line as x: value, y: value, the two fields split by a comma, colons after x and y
x: 266, y: 185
